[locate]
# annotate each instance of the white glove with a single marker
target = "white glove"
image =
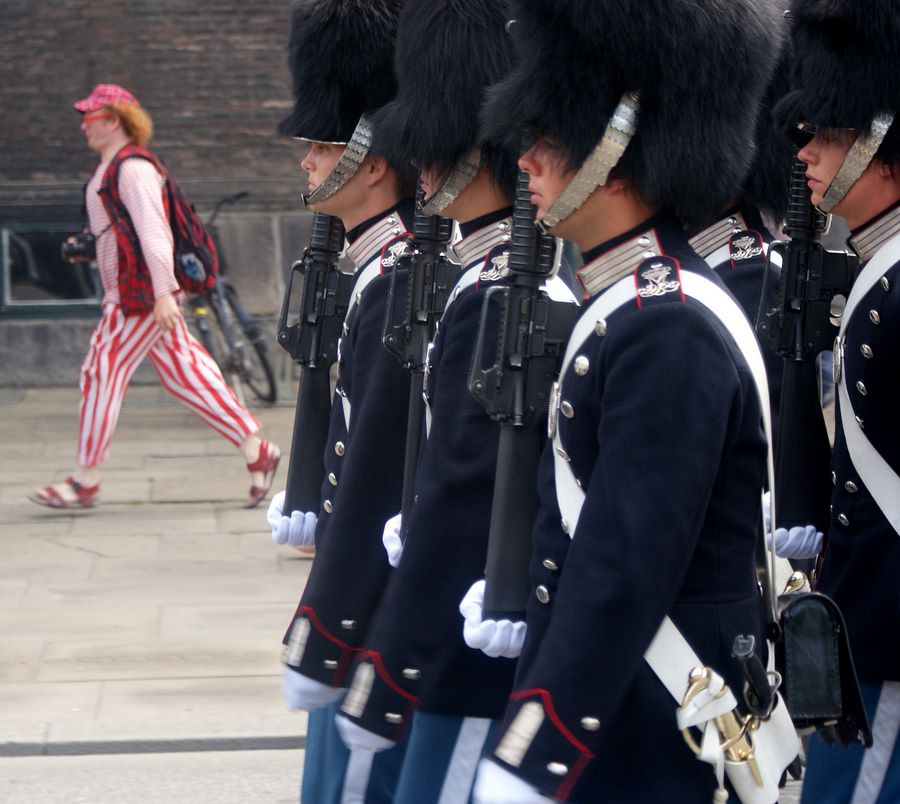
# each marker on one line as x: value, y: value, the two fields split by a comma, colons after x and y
x: 393, y: 546
x: 303, y: 692
x: 298, y: 530
x: 801, y: 541
x: 496, y: 785
x: 356, y: 738
x: 496, y: 638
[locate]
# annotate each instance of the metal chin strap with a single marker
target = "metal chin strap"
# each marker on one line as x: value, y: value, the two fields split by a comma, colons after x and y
x: 857, y: 160
x: 346, y: 167
x: 596, y: 168
x: 459, y: 178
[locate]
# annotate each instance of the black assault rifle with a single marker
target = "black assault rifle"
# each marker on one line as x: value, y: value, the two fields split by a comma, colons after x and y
x: 796, y: 321
x: 409, y: 328
x: 311, y: 340
x: 514, y: 390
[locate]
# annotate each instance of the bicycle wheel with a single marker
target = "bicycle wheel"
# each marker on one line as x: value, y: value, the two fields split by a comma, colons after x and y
x: 248, y: 356
x: 207, y: 327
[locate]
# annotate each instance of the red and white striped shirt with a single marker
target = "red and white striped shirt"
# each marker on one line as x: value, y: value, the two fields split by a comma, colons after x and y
x: 140, y: 187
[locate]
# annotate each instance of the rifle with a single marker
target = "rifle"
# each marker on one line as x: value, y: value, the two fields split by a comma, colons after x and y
x: 798, y: 323
x: 514, y: 390
x: 407, y: 334
x: 312, y: 342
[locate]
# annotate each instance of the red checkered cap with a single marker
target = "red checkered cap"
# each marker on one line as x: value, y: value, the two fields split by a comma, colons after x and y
x: 104, y: 95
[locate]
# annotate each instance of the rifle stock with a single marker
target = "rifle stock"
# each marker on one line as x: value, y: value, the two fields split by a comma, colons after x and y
x: 514, y: 390
x: 312, y: 340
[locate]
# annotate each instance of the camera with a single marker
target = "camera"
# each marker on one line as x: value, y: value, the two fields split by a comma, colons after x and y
x: 79, y: 248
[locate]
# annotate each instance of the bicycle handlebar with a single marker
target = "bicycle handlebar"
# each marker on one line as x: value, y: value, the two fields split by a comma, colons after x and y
x: 225, y: 201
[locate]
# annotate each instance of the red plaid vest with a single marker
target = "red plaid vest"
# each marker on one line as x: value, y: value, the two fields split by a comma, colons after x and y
x: 135, y: 285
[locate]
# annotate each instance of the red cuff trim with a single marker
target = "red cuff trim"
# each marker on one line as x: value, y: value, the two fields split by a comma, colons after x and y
x: 587, y: 755
x: 311, y: 615
x: 382, y: 671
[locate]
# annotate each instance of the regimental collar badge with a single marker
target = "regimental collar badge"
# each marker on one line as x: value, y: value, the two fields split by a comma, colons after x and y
x: 652, y: 279
x: 495, y: 267
x: 746, y: 245
x: 394, y: 252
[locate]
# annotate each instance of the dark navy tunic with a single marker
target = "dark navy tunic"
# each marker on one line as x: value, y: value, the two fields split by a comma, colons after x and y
x: 662, y: 424
x: 735, y: 247
x: 416, y: 657
x: 861, y: 563
x: 364, y: 469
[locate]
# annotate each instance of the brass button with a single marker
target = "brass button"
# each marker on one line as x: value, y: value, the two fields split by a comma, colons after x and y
x: 330, y: 664
x: 543, y: 594
x: 834, y: 478
x: 393, y: 717
x: 550, y: 564
x: 567, y: 410
x: 842, y: 518
x: 861, y: 387
x: 600, y: 327
x: 582, y: 365
x: 557, y: 768
x: 851, y: 487
x: 590, y: 724
x: 339, y: 448
x: 348, y: 625
x: 332, y: 478
x: 885, y: 284
x: 412, y: 674
x: 866, y: 350
x: 874, y: 317
x: 328, y: 506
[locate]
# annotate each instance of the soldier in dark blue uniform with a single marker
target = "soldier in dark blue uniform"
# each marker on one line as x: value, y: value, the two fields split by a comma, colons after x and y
x: 736, y: 244
x: 417, y: 676
x: 848, y: 96
x: 341, y: 55
x: 650, y: 490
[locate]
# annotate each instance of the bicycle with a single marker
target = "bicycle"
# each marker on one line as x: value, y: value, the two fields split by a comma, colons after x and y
x: 230, y: 334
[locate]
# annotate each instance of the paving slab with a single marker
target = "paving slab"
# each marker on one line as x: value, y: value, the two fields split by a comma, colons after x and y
x: 162, y: 658
x: 49, y: 702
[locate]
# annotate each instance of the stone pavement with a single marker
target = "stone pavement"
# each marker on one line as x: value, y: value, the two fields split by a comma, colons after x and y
x: 149, y: 625
x: 139, y: 642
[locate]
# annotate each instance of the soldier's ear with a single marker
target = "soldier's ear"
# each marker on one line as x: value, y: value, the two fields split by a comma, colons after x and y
x: 374, y: 169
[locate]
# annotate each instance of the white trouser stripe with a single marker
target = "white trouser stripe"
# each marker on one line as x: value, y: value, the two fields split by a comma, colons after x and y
x: 460, y: 773
x: 118, y: 345
x: 877, y: 759
x: 356, y: 780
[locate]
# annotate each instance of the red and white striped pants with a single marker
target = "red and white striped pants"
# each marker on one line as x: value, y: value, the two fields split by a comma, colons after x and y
x: 187, y: 371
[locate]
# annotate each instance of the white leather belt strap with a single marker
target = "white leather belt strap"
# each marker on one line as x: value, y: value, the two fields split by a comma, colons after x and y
x: 874, y: 471
x: 372, y: 270
x: 669, y: 655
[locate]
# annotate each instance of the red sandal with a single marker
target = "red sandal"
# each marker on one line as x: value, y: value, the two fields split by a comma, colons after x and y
x: 267, y: 463
x: 85, y: 496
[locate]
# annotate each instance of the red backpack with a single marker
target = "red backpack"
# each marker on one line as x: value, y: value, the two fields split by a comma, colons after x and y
x: 196, y: 259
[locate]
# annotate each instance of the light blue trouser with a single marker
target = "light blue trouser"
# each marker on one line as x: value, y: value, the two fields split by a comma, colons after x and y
x: 442, y: 756
x: 332, y: 774
x: 854, y: 775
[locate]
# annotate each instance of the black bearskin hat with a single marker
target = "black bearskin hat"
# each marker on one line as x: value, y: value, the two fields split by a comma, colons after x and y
x: 767, y: 186
x: 448, y: 53
x: 341, y: 57
x: 700, y: 66
x: 845, y: 69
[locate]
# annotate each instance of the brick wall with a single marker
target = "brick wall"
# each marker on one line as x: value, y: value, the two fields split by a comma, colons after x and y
x: 213, y: 75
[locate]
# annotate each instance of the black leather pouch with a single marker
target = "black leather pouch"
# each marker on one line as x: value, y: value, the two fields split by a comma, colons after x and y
x: 819, y: 683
